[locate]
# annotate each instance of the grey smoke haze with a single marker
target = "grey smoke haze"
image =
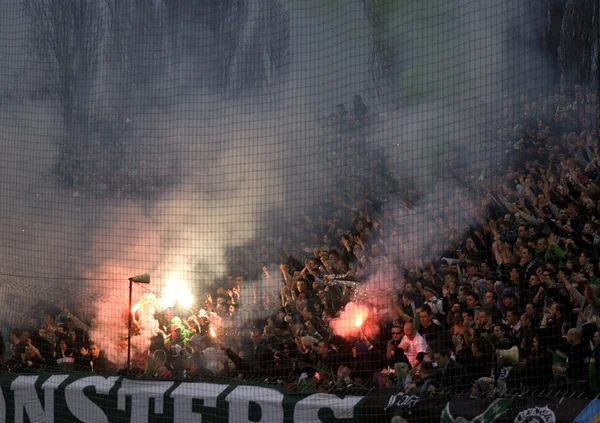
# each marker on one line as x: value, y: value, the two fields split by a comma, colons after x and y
x: 235, y: 163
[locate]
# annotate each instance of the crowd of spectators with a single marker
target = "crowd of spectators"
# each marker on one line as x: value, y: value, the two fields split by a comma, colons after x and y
x: 510, y: 302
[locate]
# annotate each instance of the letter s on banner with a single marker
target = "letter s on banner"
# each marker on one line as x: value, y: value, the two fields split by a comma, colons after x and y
x: 307, y: 410
x: 269, y: 400
x: 81, y: 406
x: 186, y: 392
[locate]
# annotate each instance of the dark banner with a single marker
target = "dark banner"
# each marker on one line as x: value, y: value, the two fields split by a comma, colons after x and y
x: 92, y: 398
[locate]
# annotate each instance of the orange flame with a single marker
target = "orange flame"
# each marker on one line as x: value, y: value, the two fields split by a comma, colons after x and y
x: 358, y: 321
x: 361, y: 315
x: 212, y: 332
x: 351, y: 319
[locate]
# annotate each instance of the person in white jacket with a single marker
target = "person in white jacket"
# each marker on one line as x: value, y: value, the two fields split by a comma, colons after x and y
x: 412, y: 343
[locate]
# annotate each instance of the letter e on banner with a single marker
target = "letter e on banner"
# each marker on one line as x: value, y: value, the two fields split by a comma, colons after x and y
x: 186, y: 392
x: 81, y: 406
x: 307, y: 410
x: 269, y: 400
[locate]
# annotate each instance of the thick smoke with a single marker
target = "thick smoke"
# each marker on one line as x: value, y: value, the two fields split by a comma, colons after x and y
x: 229, y: 165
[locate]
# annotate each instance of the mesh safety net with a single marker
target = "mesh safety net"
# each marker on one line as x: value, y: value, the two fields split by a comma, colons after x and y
x: 316, y: 211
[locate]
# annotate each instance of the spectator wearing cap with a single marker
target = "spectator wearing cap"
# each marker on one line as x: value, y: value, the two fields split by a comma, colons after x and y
x: 175, y: 337
x: 435, y: 304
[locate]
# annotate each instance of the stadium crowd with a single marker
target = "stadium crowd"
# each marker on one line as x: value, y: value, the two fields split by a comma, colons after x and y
x: 512, y: 300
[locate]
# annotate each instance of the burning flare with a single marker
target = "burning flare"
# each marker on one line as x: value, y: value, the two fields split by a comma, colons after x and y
x: 177, y: 291
x: 361, y: 316
x: 351, y: 318
x: 358, y: 321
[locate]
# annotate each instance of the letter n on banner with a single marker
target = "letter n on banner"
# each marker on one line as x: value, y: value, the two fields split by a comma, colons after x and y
x: 27, y: 401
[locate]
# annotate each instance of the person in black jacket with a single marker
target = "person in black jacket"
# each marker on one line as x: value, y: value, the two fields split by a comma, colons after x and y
x: 429, y: 329
x: 595, y: 363
x: 284, y: 365
x: 537, y: 366
x: 577, y: 357
x: 552, y: 322
x: 478, y: 360
x: 361, y: 362
x: 450, y: 374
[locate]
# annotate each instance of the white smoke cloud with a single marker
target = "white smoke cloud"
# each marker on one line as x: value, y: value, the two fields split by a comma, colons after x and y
x: 231, y: 163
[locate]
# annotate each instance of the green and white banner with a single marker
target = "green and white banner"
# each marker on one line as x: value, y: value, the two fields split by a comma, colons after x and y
x: 92, y: 398
x: 78, y: 397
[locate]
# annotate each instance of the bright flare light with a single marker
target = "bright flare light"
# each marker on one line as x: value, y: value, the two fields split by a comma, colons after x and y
x: 212, y: 332
x: 186, y: 301
x: 358, y: 321
x: 360, y: 318
x: 177, y: 291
